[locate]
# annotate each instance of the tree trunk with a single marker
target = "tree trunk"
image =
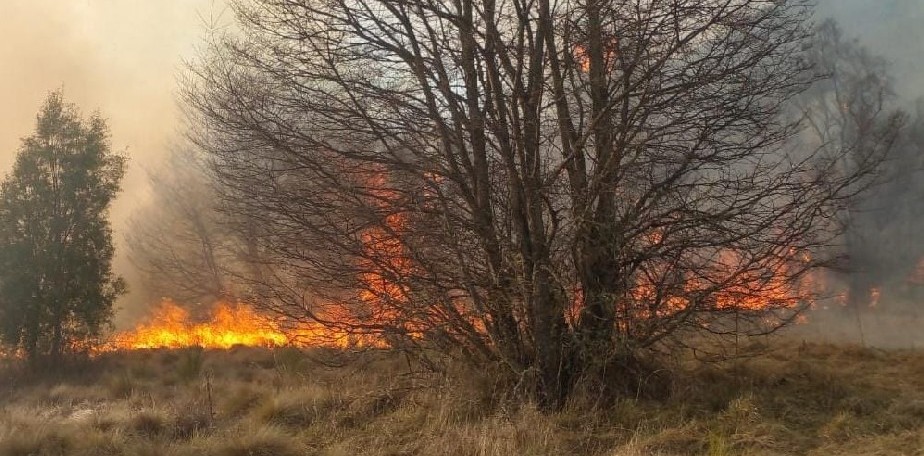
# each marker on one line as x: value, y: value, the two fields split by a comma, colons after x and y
x: 552, y: 366
x: 57, y: 340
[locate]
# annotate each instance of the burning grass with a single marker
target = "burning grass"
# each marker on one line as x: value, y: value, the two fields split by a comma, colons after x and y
x: 792, y: 399
x: 227, y: 325
x: 170, y: 326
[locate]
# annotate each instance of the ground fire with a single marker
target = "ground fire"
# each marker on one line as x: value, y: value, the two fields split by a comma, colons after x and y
x: 238, y: 324
x: 228, y: 325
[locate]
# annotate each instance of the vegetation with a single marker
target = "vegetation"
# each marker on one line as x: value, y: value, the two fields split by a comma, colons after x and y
x: 56, y: 282
x: 531, y: 227
x: 795, y: 398
x: 551, y: 187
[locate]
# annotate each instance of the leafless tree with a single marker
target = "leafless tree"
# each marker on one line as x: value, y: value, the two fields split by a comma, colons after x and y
x: 852, y: 115
x: 549, y: 185
x: 177, y: 239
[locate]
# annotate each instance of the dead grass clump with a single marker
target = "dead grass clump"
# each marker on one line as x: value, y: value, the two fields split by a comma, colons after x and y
x: 368, y: 407
x: 160, y: 447
x: 289, y: 361
x: 189, y: 364
x: 284, y: 412
x: 297, y: 408
x: 111, y: 418
x: 121, y: 385
x: 43, y: 440
x: 708, y: 388
x: 741, y: 411
x: 262, y: 441
x: 66, y: 393
x: 148, y: 424
x: 843, y: 426
x: 94, y: 443
x: 686, y: 439
x: 240, y: 400
x: 795, y: 399
x: 906, y: 414
x: 190, y: 422
x: 526, y: 432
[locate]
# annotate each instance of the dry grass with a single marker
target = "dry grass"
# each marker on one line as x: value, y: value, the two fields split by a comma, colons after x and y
x: 792, y: 399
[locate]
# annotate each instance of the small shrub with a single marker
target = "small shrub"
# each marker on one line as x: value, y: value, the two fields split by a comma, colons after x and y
x: 190, y: 422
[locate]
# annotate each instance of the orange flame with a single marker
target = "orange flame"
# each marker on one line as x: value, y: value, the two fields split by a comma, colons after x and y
x: 229, y: 325
x: 385, y: 255
x: 239, y: 324
x: 727, y: 283
x: 581, y: 56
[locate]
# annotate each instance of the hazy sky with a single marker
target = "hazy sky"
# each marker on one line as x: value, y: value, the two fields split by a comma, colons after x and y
x: 121, y: 57
x: 893, y: 29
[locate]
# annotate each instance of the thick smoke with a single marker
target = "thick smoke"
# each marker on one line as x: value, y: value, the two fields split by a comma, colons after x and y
x: 890, y: 28
x: 887, y: 244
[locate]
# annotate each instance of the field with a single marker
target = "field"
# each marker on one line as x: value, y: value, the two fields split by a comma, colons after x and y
x: 787, y: 398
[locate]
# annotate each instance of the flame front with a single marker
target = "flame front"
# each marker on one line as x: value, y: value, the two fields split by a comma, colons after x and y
x: 228, y: 325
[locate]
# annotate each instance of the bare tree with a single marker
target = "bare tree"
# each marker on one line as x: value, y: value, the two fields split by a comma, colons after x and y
x: 550, y: 185
x: 177, y: 239
x: 851, y: 114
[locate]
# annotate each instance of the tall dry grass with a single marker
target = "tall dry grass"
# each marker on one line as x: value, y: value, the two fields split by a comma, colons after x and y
x: 790, y: 398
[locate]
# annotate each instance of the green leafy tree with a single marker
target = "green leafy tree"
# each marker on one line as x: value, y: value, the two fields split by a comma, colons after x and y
x: 56, y: 283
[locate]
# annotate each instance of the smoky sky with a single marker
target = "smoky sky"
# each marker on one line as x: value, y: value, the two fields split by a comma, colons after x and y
x: 118, y: 57
x: 893, y: 29
x: 122, y: 57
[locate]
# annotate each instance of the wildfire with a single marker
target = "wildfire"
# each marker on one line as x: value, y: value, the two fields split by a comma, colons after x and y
x: 582, y: 58
x: 229, y: 325
x: 385, y: 256
x: 726, y: 282
x: 658, y: 292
